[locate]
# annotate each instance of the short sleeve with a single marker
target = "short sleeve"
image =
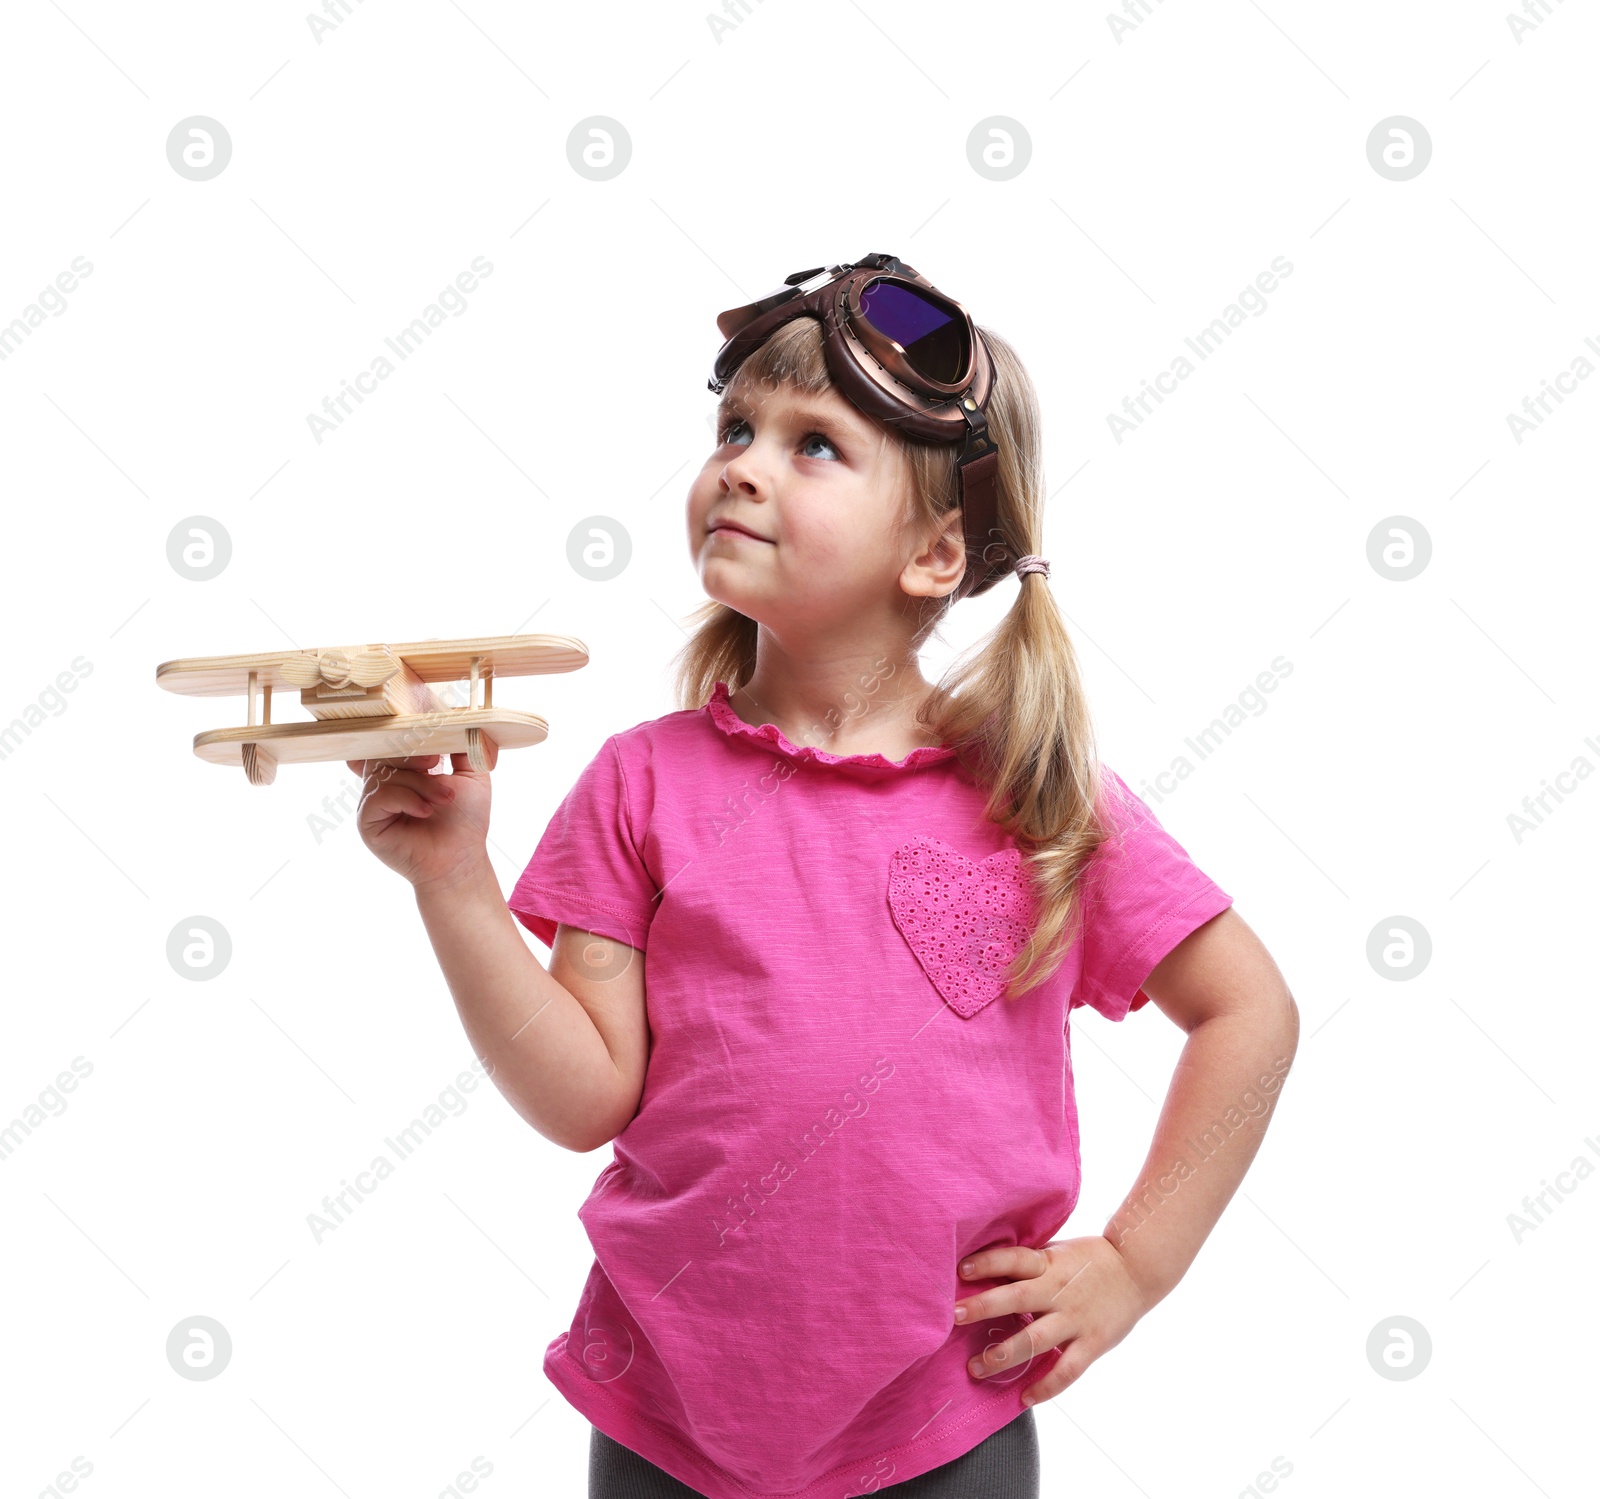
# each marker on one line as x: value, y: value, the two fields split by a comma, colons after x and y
x: 1142, y: 895
x: 587, y: 870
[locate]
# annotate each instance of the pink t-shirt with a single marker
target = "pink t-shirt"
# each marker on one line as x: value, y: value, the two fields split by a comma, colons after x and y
x: 837, y: 1107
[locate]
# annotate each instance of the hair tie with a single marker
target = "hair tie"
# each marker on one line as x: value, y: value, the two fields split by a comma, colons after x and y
x: 1032, y: 564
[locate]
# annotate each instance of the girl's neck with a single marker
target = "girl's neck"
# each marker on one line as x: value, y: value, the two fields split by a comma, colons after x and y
x: 851, y: 707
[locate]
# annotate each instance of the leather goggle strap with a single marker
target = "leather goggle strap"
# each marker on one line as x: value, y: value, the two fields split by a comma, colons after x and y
x: 988, y: 557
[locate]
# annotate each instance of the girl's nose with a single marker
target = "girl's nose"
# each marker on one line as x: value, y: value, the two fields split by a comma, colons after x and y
x: 742, y: 474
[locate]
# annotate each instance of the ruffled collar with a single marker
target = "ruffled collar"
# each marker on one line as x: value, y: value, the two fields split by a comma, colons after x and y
x: 772, y: 737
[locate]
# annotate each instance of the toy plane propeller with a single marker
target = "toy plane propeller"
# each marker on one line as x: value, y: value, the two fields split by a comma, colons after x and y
x: 372, y: 702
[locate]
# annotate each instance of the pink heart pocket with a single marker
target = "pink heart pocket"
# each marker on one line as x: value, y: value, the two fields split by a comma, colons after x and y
x: 964, y: 922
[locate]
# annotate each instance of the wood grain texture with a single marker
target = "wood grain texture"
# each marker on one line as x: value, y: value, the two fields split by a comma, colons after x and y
x: 442, y: 733
x: 431, y: 660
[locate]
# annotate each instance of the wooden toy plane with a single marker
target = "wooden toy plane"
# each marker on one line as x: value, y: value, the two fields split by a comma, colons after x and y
x: 372, y: 702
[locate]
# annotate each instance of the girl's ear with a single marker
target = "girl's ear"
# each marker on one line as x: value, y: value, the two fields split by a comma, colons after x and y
x: 937, y: 569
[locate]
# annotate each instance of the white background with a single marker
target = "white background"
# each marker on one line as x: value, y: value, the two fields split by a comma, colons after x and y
x: 1167, y: 170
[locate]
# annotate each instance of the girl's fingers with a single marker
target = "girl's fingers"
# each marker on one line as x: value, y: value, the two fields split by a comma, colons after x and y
x: 413, y: 762
x: 1005, y: 1262
x: 1016, y: 1262
x: 998, y: 1302
x: 1005, y: 1356
x: 392, y: 799
x: 429, y: 787
x: 1068, y: 1367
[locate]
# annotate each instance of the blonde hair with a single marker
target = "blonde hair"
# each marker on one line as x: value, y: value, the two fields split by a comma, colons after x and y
x: 1014, y: 711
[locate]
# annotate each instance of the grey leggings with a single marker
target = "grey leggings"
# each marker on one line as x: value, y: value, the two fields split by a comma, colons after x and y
x: 1004, y: 1465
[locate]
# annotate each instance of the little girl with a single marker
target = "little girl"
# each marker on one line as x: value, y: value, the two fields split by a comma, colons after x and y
x: 814, y: 943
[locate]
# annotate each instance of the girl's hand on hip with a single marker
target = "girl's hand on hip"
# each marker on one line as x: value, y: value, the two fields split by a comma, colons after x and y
x: 1083, y: 1297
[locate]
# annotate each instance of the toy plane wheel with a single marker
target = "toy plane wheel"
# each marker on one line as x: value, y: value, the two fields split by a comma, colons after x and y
x: 478, y: 745
x: 260, y: 764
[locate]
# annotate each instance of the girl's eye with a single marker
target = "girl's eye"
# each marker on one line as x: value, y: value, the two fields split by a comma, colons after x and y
x: 728, y: 432
x: 818, y: 437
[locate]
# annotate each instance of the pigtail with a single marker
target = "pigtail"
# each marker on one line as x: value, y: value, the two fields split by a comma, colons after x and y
x: 1016, y: 714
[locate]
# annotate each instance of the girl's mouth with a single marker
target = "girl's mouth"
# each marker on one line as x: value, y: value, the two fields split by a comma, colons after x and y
x: 725, y: 528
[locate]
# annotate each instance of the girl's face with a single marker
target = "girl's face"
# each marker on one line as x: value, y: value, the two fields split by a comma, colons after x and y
x: 799, y: 515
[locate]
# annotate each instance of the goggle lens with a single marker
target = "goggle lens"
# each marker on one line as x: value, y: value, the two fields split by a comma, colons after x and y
x: 935, y: 342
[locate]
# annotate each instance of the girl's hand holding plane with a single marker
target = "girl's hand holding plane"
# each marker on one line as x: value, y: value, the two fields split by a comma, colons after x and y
x: 432, y: 829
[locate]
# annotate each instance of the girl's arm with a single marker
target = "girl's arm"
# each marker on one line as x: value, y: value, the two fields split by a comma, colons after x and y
x: 568, y: 1046
x: 1222, y: 987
